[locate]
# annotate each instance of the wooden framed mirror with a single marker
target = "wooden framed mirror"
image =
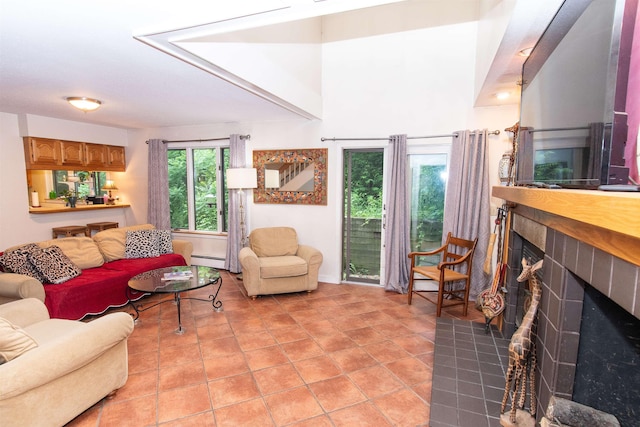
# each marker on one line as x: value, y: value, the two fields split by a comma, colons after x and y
x: 291, y: 176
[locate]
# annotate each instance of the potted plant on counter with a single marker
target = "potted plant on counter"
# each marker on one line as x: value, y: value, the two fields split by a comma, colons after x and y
x: 70, y: 198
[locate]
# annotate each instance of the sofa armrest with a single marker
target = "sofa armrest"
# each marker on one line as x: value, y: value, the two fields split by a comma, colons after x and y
x: 250, y: 270
x: 183, y: 248
x: 309, y: 254
x: 24, y: 312
x: 19, y: 286
x: 59, y: 357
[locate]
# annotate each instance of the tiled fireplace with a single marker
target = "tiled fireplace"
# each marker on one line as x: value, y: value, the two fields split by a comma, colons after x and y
x: 588, y: 319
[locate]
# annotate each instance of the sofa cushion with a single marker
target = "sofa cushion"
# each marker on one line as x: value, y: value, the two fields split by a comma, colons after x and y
x: 282, y: 266
x: 54, y: 265
x: 274, y: 241
x: 112, y: 242
x: 14, y: 341
x: 16, y: 260
x: 82, y: 251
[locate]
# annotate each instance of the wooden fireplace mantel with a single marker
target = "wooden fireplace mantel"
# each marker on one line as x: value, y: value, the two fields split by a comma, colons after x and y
x: 609, y: 221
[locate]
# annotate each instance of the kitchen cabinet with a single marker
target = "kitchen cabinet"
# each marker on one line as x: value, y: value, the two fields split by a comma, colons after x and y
x: 44, y: 152
x: 71, y: 154
x: 55, y: 154
x: 115, y: 158
x: 95, y: 156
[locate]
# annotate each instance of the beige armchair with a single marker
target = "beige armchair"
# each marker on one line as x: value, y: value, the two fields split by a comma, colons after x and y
x: 67, y: 367
x: 274, y: 263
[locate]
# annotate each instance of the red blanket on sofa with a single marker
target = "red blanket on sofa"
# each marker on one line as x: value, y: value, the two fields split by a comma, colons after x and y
x: 97, y: 289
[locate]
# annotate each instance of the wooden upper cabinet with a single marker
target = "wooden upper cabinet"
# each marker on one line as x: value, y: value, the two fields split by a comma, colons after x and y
x: 38, y: 151
x: 71, y: 153
x: 115, y: 158
x: 95, y: 156
x: 54, y: 154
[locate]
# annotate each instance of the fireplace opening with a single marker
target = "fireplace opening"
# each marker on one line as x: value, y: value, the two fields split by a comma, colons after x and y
x: 608, y: 366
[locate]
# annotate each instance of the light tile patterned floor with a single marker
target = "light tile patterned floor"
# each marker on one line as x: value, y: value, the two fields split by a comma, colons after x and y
x: 344, y: 355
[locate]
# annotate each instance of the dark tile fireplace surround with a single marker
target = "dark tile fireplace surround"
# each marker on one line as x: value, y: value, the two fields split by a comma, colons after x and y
x: 575, y: 275
x: 588, y: 320
x: 470, y: 366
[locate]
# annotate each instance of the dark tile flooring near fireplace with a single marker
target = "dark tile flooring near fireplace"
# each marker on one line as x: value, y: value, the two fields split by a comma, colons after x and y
x: 468, y: 374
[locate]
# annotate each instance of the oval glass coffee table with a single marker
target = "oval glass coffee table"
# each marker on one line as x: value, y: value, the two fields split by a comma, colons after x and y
x: 174, y: 280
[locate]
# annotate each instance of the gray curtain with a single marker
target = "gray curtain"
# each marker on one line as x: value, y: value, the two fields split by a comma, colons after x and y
x: 158, y: 212
x: 397, y: 235
x: 234, y: 235
x: 466, y: 208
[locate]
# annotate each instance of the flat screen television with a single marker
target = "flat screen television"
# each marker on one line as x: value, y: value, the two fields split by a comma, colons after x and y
x: 573, y: 124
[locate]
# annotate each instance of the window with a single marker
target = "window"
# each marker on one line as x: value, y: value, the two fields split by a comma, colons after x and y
x: 83, y: 183
x: 428, y: 168
x: 197, y: 195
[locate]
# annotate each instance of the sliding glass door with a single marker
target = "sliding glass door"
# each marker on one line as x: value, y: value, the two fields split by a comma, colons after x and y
x: 364, y: 206
x: 363, y: 214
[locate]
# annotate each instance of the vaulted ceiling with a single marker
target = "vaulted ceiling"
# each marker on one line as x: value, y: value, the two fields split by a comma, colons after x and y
x: 156, y: 63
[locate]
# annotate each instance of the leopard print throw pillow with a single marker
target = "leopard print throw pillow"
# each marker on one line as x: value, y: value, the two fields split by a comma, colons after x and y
x: 54, y: 265
x: 17, y: 261
x: 141, y: 244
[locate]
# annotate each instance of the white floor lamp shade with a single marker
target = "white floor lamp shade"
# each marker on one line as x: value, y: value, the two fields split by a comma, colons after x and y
x: 242, y: 178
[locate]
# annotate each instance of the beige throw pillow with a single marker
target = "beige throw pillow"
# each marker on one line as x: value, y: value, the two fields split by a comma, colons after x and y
x: 14, y: 341
x: 82, y: 251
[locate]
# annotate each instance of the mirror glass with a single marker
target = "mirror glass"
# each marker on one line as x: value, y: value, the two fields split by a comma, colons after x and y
x: 295, y: 176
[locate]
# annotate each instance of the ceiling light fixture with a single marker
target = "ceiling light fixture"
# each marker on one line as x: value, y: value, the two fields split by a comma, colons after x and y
x: 525, y: 52
x: 83, y: 103
x: 503, y: 95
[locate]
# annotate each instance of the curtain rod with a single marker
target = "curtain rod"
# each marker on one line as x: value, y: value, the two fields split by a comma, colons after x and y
x: 164, y: 141
x: 493, y: 132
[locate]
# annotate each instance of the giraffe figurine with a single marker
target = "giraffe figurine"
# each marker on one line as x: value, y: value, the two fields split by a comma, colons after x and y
x: 522, y: 348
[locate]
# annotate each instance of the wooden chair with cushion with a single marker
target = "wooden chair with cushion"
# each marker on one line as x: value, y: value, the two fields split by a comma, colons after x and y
x: 456, y: 257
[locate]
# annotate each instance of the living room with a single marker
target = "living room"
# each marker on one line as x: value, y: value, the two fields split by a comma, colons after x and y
x: 411, y: 67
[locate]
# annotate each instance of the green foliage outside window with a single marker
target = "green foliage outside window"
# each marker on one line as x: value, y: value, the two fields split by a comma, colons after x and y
x: 366, y: 185
x: 208, y: 199
x: 177, y: 160
x: 204, y: 184
x: 428, y: 209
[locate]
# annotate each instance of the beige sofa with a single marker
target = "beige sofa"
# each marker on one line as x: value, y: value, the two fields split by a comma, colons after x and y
x: 274, y: 263
x: 73, y: 365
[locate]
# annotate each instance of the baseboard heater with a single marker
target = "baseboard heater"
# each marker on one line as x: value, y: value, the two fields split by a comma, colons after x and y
x: 215, y: 258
